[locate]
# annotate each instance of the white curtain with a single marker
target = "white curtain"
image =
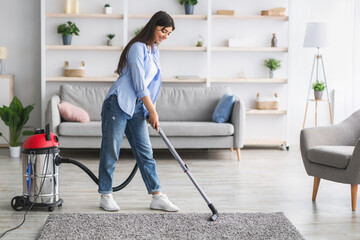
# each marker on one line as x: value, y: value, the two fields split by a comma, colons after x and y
x: 356, y: 57
x: 352, y: 83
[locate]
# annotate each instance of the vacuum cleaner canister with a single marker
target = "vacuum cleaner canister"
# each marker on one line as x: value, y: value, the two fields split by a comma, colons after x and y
x: 40, y: 174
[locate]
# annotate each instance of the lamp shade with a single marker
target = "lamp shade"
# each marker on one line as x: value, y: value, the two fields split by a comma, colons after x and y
x: 316, y: 35
x: 3, y: 53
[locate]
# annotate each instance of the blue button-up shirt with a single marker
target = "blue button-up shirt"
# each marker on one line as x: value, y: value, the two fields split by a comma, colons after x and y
x: 131, y: 82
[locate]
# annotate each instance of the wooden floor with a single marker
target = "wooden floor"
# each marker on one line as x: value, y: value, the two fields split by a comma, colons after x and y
x: 266, y: 180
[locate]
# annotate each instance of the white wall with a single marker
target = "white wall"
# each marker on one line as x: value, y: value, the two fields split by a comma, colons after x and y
x: 21, y: 34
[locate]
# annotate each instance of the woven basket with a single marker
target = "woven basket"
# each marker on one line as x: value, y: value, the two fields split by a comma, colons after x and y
x: 74, y: 72
x: 269, y: 103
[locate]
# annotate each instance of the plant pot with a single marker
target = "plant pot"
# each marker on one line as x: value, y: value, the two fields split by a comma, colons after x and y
x: 271, y: 74
x: 189, y: 9
x: 66, y: 39
x: 14, y: 152
x: 109, y: 42
x: 318, y: 94
x: 107, y: 10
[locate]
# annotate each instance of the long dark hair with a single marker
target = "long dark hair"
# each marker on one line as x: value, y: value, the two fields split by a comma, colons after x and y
x: 146, y: 35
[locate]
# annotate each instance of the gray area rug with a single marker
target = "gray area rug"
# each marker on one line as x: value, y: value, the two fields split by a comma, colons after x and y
x: 168, y: 226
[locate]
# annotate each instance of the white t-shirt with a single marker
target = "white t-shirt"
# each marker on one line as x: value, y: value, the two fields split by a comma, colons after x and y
x: 152, y: 73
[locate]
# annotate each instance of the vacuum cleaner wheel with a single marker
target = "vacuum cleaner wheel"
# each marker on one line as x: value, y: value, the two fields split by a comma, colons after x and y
x: 18, y: 203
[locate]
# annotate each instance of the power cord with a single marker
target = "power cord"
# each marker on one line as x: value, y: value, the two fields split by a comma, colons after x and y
x: 41, y: 186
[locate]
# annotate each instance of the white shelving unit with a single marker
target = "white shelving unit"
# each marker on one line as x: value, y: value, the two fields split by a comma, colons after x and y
x: 209, y: 50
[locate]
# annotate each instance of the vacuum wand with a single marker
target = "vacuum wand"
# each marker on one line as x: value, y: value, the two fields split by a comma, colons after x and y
x: 187, y: 171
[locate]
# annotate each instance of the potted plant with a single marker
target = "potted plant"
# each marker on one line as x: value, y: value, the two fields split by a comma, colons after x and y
x: 138, y: 30
x: 107, y: 9
x: 67, y: 31
x: 200, y: 42
x: 273, y: 65
x: 319, y: 88
x: 15, y: 116
x: 110, y: 37
x: 189, y: 5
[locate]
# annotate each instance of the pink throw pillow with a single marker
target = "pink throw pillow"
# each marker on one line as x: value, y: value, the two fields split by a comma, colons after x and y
x: 72, y: 113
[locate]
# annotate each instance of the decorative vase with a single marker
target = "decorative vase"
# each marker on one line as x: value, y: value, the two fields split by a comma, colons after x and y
x: 109, y: 42
x: 274, y: 40
x: 14, y: 152
x: 189, y: 9
x: 271, y: 74
x: 107, y: 10
x: 67, y: 39
x: 318, y: 94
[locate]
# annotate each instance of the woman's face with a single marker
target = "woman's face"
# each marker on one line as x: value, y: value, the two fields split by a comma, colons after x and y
x: 161, y: 33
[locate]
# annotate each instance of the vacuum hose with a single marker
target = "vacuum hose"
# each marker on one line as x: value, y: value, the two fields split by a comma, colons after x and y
x: 59, y: 160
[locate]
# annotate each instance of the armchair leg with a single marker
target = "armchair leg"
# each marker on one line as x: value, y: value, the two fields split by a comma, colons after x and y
x: 315, y: 187
x: 238, y: 153
x: 354, y: 190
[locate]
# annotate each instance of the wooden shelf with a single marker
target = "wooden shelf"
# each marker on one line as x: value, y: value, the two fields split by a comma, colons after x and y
x: 175, y: 16
x: 250, y: 49
x: 168, y: 48
x: 83, y: 15
x: 175, y: 48
x: 184, y: 80
x: 265, y: 112
x: 80, y: 79
x: 113, y: 79
x: 249, y: 80
x: 318, y: 100
x: 264, y: 142
x: 83, y: 47
x: 253, y: 17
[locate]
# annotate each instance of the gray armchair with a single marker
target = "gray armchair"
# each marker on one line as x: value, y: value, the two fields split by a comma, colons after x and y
x: 333, y: 153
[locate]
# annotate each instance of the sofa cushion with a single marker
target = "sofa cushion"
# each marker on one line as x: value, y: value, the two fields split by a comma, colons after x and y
x: 170, y: 129
x: 188, y: 104
x: 189, y: 129
x: 80, y: 129
x: 223, y: 109
x: 72, y: 113
x: 334, y: 156
x: 88, y: 98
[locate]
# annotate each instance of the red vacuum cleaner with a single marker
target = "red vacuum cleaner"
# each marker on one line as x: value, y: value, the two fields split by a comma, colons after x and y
x: 40, y: 157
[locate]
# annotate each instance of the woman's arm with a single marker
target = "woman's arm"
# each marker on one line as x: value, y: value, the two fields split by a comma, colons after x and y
x: 153, y: 117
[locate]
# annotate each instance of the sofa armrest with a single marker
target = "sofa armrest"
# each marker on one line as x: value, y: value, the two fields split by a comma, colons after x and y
x: 53, y: 114
x: 353, y: 168
x: 238, y: 119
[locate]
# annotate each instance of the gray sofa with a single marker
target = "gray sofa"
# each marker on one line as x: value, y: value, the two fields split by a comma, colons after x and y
x: 185, y: 117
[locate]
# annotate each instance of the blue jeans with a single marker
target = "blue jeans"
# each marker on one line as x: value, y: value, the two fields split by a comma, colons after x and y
x: 115, y: 122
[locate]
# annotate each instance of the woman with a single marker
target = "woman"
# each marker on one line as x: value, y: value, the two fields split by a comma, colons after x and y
x: 129, y: 102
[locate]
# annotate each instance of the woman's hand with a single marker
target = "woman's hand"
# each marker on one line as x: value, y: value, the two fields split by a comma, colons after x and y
x: 153, y: 120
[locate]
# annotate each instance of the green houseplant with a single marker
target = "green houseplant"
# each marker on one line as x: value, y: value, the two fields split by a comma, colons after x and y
x: 273, y: 65
x: 107, y: 9
x: 200, y: 42
x: 110, y: 37
x: 15, y: 117
x: 319, y: 88
x: 67, y: 31
x: 189, y: 5
x: 138, y: 30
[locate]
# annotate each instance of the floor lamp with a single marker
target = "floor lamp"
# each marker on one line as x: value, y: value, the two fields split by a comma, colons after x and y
x: 316, y: 37
x: 3, y: 56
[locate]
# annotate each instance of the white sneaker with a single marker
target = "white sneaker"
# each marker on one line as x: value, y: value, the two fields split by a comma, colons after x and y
x: 108, y: 203
x: 161, y: 202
